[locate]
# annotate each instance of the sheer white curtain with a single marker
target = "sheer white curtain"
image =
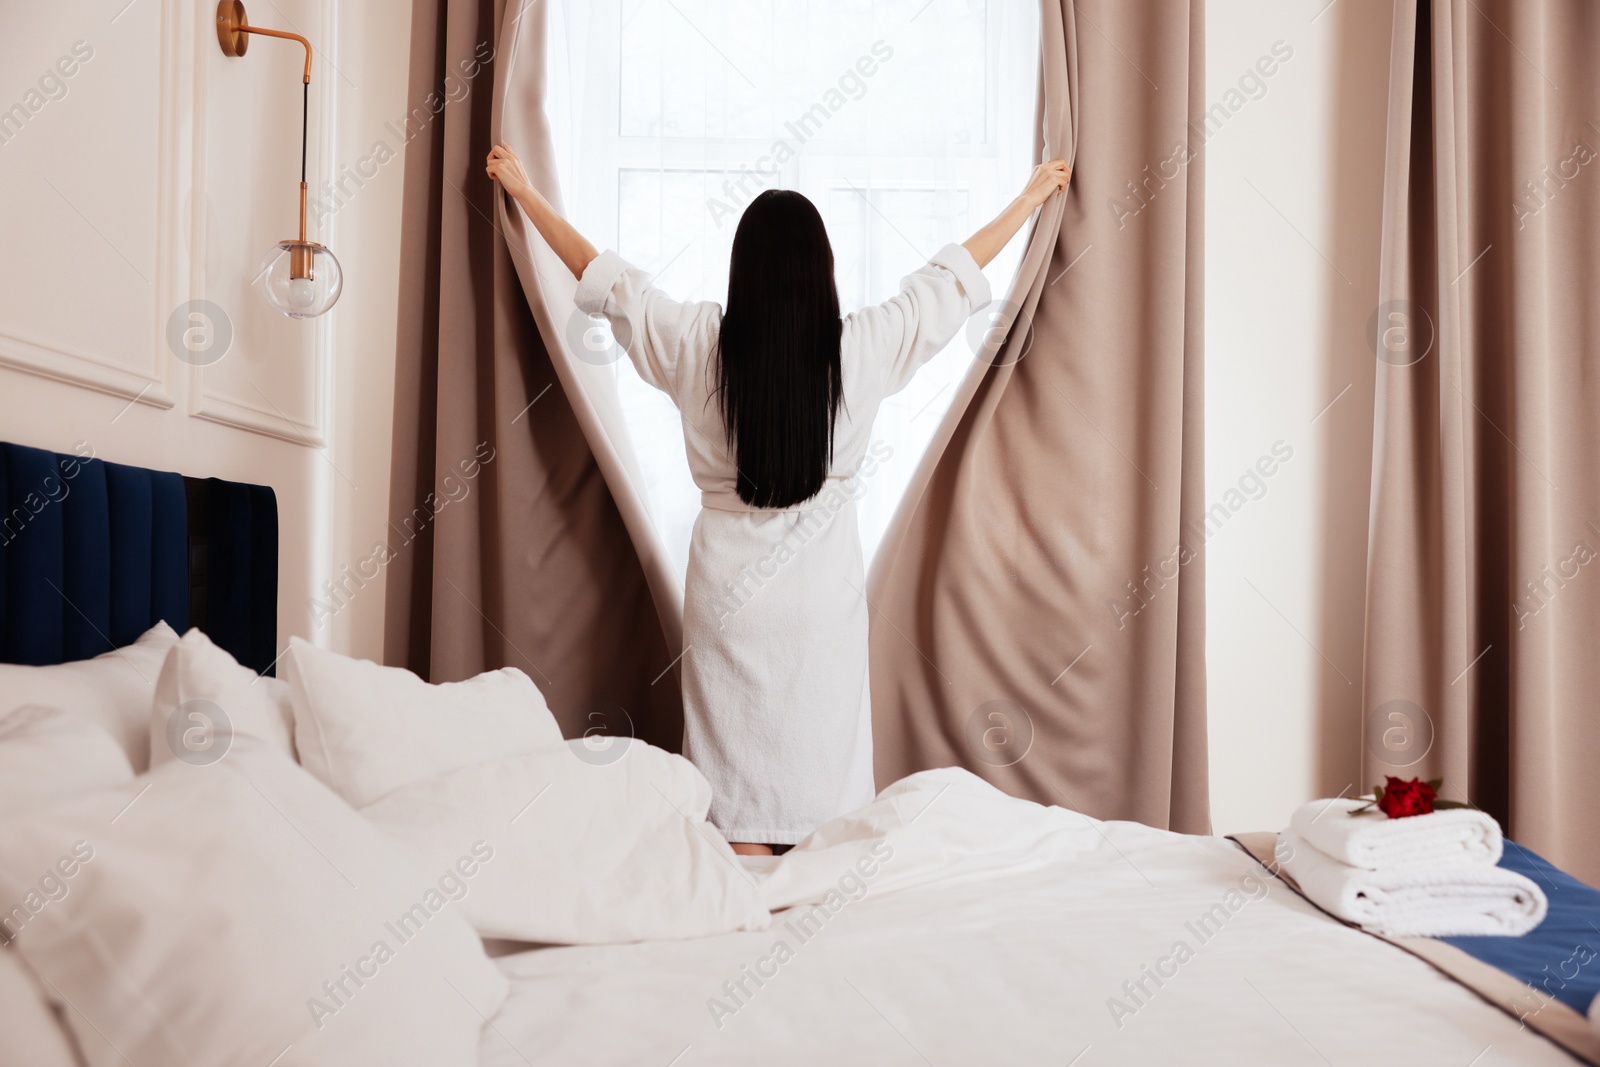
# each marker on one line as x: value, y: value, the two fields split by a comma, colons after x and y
x: 907, y: 122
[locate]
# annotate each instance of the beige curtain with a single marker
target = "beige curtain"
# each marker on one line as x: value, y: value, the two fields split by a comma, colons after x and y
x: 1483, y: 596
x: 508, y: 545
x: 1038, y: 604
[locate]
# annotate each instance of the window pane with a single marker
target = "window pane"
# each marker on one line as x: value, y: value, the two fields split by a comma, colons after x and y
x: 881, y: 233
x: 795, y: 69
x: 907, y: 123
x: 663, y: 224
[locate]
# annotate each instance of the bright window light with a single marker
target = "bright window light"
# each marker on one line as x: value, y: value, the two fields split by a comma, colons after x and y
x: 908, y: 123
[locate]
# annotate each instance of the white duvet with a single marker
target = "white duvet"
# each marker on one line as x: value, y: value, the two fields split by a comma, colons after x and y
x: 948, y: 924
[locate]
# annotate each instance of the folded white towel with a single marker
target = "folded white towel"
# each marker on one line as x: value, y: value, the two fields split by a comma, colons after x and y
x: 1456, y: 837
x: 1416, y: 901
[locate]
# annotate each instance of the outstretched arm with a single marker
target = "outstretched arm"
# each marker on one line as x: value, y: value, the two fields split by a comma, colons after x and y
x: 1047, y: 179
x: 573, y: 248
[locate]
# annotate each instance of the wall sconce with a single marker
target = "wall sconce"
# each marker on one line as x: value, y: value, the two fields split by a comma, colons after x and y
x: 300, y: 278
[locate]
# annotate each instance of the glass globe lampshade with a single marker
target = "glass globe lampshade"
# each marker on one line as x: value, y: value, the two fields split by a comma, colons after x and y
x: 302, y: 279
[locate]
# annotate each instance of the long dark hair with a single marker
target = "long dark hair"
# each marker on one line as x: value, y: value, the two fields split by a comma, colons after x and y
x: 778, y: 380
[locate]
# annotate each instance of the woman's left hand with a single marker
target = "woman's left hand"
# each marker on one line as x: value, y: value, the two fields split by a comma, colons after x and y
x: 1047, y: 179
x: 504, y: 167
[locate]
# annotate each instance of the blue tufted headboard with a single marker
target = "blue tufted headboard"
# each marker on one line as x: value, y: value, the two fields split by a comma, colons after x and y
x: 92, y: 554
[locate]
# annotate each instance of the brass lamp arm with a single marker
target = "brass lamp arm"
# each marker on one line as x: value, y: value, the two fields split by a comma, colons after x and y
x: 233, y: 30
x: 286, y: 37
x: 232, y: 25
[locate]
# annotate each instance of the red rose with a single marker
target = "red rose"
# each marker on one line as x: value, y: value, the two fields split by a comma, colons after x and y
x: 1400, y: 799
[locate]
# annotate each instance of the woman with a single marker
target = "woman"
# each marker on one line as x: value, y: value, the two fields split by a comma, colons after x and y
x: 778, y: 396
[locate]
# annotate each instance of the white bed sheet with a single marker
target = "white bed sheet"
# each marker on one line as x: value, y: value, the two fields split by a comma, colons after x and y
x: 1019, y: 968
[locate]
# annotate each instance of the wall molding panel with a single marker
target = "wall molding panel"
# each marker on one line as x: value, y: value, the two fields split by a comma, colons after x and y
x: 150, y: 379
x: 276, y: 378
x: 89, y: 371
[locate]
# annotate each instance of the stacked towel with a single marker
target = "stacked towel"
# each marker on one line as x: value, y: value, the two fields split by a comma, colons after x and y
x: 1457, y: 837
x: 1423, y: 876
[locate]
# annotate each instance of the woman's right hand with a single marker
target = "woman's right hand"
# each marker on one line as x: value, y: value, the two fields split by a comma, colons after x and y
x: 1046, y: 180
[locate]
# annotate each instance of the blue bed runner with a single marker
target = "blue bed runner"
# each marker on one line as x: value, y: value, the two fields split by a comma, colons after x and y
x: 1560, y: 956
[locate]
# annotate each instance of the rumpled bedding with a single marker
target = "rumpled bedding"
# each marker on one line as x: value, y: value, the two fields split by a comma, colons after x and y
x: 947, y: 923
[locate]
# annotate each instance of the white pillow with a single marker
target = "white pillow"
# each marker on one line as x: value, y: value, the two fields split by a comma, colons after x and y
x: 204, y: 699
x: 49, y: 754
x: 580, y: 851
x: 114, y: 689
x: 367, y: 729
x: 32, y: 1035
x: 227, y: 913
x: 282, y: 698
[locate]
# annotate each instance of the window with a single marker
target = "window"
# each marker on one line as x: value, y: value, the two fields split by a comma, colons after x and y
x: 907, y: 122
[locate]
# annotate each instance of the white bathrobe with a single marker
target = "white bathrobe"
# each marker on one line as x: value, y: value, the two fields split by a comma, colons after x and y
x: 777, y: 709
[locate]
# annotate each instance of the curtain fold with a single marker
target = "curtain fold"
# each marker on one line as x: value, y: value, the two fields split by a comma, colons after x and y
x: 519, y: 118
x: 507, y: 546
x: 1037, y: 605
x: 1482, y: 603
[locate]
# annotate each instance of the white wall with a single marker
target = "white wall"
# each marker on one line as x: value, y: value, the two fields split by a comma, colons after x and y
x: 375, y: 45
x: 161, y: 171
x: 1293, y: 202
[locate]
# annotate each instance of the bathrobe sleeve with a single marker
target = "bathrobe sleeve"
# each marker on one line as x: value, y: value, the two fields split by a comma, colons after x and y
x: 893, y: 339
x: 663, y: 337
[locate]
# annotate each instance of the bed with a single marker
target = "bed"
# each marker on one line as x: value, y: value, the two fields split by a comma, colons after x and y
x: 1029, y: 965
x: 945, y: 923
